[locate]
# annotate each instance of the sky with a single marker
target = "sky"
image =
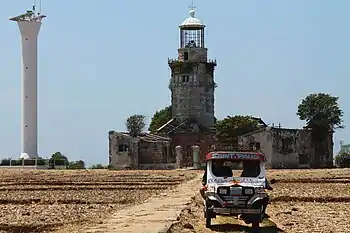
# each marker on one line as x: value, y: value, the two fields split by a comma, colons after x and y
x: 102, y: 61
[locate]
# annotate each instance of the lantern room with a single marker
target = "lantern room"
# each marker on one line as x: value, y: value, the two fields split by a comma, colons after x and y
x: 192, y: 32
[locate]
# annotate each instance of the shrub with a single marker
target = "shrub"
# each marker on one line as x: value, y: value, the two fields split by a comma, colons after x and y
x: 98, y: 166
x: 342, y: 160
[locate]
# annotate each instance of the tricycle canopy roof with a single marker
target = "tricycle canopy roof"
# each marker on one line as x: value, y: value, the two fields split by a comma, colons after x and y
x: 235, y: 155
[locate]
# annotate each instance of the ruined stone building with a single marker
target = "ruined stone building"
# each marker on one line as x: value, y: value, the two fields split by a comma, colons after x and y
x: 290, y: 148
x: 143, y: 151
x: 192, y: 88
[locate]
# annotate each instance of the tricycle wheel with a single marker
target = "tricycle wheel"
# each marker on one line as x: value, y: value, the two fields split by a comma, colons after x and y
x: 255, y: 227
x: 207, y: 221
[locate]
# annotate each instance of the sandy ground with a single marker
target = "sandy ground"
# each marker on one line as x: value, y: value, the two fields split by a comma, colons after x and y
x: 151, y: 201
x: 302, y: 201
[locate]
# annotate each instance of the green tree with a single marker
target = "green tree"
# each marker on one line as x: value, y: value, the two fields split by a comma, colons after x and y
x: 58, y: 155
x: 342, y: 159
x: 322, y: 115
x: 160, y: 118
x: 76, y: 164
x: 135, y: 124
x: 230, y: 127
x: 58, y: 158
x: 321, y: 111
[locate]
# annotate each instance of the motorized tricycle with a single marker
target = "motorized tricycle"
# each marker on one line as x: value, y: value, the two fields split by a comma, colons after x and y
x: 226, y: 192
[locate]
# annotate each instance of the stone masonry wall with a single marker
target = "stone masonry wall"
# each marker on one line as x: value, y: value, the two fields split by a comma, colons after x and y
x: 192, y: 86
x: 194, y: 54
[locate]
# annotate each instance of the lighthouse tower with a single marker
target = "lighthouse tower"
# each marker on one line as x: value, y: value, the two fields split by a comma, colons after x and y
x: 192, y: 76
x: 192, y: 89
x: 29, y: 25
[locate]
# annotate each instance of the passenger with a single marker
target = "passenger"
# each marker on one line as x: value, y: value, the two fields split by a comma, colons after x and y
x: 250, y: 169
x: 219, y: 170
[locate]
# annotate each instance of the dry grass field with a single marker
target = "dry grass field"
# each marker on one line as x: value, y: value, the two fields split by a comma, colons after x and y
x: 302, y: 201
x: 43, y: 201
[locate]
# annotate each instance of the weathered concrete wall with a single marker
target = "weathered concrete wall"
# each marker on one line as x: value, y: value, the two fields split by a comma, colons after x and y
x: 186, y: 141
x: 120, y: 151
x: 264, y: 140
x: 288, y: 145
x: 324, y: 152
x: 290, y: 148
x: 129, y: 152
x: 134, y: 153
x: 121, y: 160
x: 154, y: 153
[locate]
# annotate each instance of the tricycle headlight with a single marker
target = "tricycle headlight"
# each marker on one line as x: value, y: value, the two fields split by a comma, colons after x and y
x: 223, y: 191
x: 248, y: 191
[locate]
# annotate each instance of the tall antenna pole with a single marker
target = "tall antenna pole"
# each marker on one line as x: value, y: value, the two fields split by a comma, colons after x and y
x: 40, y: 5
x: 193, y: 5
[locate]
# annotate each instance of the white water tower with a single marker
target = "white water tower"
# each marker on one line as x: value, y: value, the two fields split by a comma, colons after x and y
x: 29, y: 25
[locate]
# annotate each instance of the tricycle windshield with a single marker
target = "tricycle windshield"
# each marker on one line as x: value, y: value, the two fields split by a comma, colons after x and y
x: 237, y: 168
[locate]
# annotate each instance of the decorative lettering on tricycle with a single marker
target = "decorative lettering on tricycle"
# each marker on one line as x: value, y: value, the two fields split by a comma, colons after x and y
x: 235, y: 156
x: 235, y: 180
x: 217, y: 180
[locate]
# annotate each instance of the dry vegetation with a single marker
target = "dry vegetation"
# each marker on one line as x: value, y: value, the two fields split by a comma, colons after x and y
x: 302, y: 201
x: 42, y: 201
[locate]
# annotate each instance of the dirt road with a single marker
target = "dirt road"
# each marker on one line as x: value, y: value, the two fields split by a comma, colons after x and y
x: 156, y: 215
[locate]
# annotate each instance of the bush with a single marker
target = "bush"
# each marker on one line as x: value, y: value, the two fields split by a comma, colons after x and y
x: 76, y: 165
x: 41, y: 162
x: 17, y: 162
x: 98, y: 166
x: 342, y: 160
x: 58, y: 162
x: 5, y: 162
x: 29, y: 162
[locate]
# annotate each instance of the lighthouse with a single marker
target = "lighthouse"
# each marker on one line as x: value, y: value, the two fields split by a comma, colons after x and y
x: 29, y: 25
x: 192, y: 85
x: 192, y: 82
